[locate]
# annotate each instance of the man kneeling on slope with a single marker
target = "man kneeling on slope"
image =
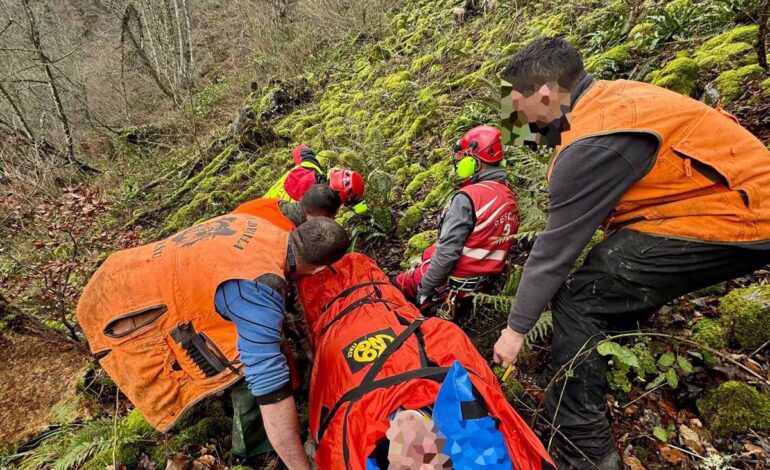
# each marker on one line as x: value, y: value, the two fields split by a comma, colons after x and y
x: 476, y: 229
x: 178, y: 320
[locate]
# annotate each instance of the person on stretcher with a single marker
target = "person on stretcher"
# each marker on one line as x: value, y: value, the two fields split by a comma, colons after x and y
x: 392, y: 389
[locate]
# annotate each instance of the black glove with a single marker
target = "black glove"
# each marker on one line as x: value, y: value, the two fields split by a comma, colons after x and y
x: 307, y: 154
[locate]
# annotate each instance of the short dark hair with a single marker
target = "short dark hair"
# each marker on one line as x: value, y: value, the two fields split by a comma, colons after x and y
x: 320, y: 199
x: 319, y: 241
x: 546, y: 57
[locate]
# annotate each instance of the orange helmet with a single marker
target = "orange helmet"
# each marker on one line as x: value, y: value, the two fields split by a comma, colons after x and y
x: 348, y: 184
x: 482, y: 142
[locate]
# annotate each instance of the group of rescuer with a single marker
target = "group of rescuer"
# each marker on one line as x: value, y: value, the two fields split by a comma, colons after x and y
x: 677, y: 186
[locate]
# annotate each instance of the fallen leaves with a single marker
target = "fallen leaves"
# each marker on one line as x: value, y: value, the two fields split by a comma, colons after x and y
x: 690, y: 439
x: 633, y: 463
x: 670, y: 454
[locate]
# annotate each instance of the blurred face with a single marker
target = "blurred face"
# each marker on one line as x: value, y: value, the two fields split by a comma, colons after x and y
x: 414, y: 443
x: 534, y: 111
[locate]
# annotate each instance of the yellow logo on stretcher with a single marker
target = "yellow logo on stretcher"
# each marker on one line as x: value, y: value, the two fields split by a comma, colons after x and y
x: 371, y: 348
x: 367, y: 348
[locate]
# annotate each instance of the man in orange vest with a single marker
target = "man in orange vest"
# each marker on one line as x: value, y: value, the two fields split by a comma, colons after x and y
x: 180, y: 319
x: 248, y: 437
x: 681, y: 189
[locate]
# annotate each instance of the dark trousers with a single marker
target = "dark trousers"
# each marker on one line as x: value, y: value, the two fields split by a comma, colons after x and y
x: 625, y: 279
x: 249, y: 435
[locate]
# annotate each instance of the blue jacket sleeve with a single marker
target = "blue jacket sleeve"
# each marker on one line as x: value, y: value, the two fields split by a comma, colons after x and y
x: 257, y: 312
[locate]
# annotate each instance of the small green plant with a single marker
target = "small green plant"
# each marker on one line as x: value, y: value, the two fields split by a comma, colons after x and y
x: 664, y: 434
x: 640, y: 364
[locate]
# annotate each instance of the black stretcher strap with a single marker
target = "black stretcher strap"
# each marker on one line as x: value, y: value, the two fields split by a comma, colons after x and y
x: 434, y: 373
x: 368, y: 383
x: 350, y: 308
x: 349, y: 291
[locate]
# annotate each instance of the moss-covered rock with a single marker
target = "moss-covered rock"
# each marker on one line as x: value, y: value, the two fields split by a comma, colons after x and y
x: 710, y: 333
x: 606, y: 64
x: 729, y: 49
x: 679, y: 75
x: 410, y: 220
x: 746, y: 315
x: 418, y: 243
x: 200, y: 433
x: 439, y: 196
x: 735, y: 407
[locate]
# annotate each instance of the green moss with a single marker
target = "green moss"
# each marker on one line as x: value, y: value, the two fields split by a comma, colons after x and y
x: 203, y: 205
x: 200, y: 433
x: 439, y: 196
x: 740, y: 34
x: 679, y: 75
x: 417, y: 183
x: 642, y: 36
x: 395, y: 163
x: 396, y: 81
x: 765, y: 85
x: 547, y: 25
x: 709, y: 333
x: 735, y: 407
x: 410, y: 220
x: 609, y: 63
x: 418, y: 243
x: 421, y: 62
x: 746, y: 315
x: 729, y: 49
x: 512, y: 388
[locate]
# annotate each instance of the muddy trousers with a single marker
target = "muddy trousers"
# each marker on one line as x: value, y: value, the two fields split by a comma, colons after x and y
x: 625, y: 279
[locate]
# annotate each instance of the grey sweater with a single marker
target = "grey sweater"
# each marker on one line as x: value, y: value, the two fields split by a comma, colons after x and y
x: 457, y: 224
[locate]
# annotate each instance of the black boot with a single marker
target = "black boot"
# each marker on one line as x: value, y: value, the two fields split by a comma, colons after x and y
x: 567, y: 460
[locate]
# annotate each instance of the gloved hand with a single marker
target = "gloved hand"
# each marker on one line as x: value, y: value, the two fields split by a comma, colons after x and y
x: 307, y: 154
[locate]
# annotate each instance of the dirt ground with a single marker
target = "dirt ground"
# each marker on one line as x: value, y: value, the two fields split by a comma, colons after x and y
x: 38, y: 369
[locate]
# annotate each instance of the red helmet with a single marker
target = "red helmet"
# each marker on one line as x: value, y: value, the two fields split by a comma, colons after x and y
x: 296, y: 154
x: 482, y: 142
x: 348, y: 184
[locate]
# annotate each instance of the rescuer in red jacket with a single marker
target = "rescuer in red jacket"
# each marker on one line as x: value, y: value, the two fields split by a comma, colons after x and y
x: 476, y: 228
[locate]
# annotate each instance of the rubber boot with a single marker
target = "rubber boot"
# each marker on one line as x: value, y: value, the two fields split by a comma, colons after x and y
x: 610, y: 461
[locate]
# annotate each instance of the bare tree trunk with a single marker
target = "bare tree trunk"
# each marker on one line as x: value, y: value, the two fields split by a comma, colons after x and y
x: 34, y: 35
x: 132, y: 13
x: 761, y: 45
x: 17, y: 113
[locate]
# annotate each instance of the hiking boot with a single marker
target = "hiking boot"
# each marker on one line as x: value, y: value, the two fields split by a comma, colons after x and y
x: 610, y: 461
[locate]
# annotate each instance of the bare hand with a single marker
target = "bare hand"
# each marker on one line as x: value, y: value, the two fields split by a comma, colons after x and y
x: 508, y: 346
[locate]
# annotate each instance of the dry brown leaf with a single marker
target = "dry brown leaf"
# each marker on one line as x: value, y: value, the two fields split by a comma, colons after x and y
x: 690, y: 438
x: 751, y: 449
x: 207, y: 459
x: 671, y: 455
x: 633, y: 463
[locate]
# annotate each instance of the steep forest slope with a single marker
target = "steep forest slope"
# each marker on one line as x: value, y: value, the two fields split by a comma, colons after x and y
x: 690, y: 391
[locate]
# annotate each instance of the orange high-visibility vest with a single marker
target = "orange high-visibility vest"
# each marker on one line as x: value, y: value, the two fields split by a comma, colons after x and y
x: 148, y: 312
x: 268, y: 209
x: 674, y: 199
